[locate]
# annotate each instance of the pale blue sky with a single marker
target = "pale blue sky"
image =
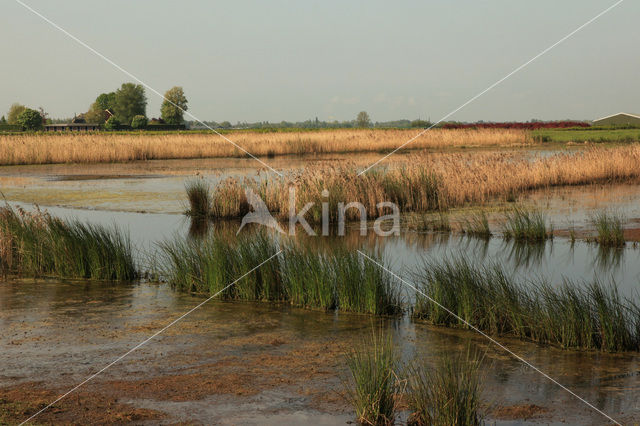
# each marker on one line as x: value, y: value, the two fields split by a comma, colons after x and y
x: 293, y: 60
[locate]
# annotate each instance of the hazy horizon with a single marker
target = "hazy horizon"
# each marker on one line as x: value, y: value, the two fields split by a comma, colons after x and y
x: 296, y: 61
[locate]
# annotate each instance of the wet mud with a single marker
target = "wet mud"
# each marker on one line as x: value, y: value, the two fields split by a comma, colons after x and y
x: 249, y: 363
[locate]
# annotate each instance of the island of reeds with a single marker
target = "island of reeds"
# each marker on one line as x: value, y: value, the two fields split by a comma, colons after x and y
x: 569, y: 315
x: 428, y: 182
x: 337, y: 279
x: 39, y: 245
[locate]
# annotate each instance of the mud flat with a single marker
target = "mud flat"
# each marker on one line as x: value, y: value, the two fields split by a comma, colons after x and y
x: 251, y: 363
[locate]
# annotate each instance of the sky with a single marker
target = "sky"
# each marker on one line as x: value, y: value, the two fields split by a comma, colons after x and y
x: 297, y: 60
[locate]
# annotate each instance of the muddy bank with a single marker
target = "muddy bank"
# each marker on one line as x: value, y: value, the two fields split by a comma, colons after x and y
x: 248, y: 363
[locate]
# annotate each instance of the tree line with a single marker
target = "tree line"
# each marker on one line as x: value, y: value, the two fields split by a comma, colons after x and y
x: 124, y: 106
x: 362, y: 120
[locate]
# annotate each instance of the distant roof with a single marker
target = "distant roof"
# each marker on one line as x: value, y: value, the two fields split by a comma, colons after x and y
x: 620, y: 113
x: 71, y: 125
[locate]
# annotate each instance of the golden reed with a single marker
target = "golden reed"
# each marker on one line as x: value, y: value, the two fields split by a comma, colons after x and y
x: 109, y: 148
x: 430, y: 181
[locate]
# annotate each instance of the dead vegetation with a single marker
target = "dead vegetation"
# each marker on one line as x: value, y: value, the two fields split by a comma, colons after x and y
x: 109, y: 148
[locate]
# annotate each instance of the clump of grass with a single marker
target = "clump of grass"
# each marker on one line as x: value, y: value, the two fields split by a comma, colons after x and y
x: 609, y: 228
x: 337, y: 279
x: 442, y: 223
x: 592, y: 317
x: 477, y: 226
x: 210, y: 264
x: 423, y: 223
x: 448, y: 394
x: 309, y: 278
x: 373, y: 386
x: 362, y: 286
x: 526, y: 225
x: 572, y: 315
x: 36, y: 244
x: 420, y: 223
x: 199, y: 197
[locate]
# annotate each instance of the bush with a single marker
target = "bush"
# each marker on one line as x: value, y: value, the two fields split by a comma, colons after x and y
x: 139, y: 122
x: 112, y: 123
x: 165, y: 127
x: 420, y: 123
x: 30, y: 119
x: 10, y: 128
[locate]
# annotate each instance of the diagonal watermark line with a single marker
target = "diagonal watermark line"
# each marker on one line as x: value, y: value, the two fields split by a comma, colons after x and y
x: 139, y: 345
x: 518, y: 69
x: 494, y: 341
x: 106, y: 59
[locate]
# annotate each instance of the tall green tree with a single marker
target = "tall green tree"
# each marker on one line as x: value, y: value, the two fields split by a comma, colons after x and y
x: 174, y: 106
x: 95, y: 114
x: 130, y: 100
x: 30, y: 119
x: 96, y: 110
x: 14, y: 111
x: 106, y: 100
x: 363, y: 120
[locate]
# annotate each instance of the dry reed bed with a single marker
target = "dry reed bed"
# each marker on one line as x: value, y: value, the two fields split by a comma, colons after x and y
x: 103, y: 148
x: 428, y: 182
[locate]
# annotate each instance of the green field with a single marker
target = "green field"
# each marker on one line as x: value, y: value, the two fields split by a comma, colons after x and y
x: 591, y: 135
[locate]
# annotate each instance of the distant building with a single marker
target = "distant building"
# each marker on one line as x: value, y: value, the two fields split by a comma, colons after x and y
x: 78, y: 124
x: 71, y: 127
x: 78, y: 119
x: 108, y: 114
x: 620, y: 119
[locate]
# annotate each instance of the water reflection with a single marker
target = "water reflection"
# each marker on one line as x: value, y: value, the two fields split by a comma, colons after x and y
x: 522, y: 254
x: 608, y: 258
x: 479, y: 246
x: 199, y: 227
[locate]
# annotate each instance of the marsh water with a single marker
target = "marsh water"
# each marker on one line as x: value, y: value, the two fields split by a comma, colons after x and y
x: 60, y: 332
